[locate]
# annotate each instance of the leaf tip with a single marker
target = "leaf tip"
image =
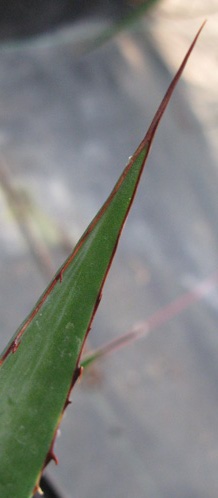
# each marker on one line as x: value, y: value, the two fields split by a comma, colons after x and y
x: 165, y: 101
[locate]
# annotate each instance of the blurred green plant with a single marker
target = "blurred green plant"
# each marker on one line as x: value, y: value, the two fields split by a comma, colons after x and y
x: 41, y: 364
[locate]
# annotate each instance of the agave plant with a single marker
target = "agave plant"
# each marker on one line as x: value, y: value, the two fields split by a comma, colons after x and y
x: 41, y: 364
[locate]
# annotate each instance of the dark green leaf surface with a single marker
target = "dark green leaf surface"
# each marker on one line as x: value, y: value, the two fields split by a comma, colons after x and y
x: 40, y: 364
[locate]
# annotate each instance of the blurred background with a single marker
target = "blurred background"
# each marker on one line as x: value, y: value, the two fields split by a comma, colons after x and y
x: 79, y: 85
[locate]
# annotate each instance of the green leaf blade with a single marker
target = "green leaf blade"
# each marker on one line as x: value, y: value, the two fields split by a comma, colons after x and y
x: 40, y: 364
x: 35, y: 380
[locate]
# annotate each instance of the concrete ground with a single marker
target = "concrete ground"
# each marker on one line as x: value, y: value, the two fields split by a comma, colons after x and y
x: 143, y: 423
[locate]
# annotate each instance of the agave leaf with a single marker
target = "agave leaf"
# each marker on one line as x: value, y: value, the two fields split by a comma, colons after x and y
x: 41, y: 363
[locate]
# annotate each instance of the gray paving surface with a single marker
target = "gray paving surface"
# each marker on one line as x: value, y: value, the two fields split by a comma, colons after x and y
x: 148, y: 426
